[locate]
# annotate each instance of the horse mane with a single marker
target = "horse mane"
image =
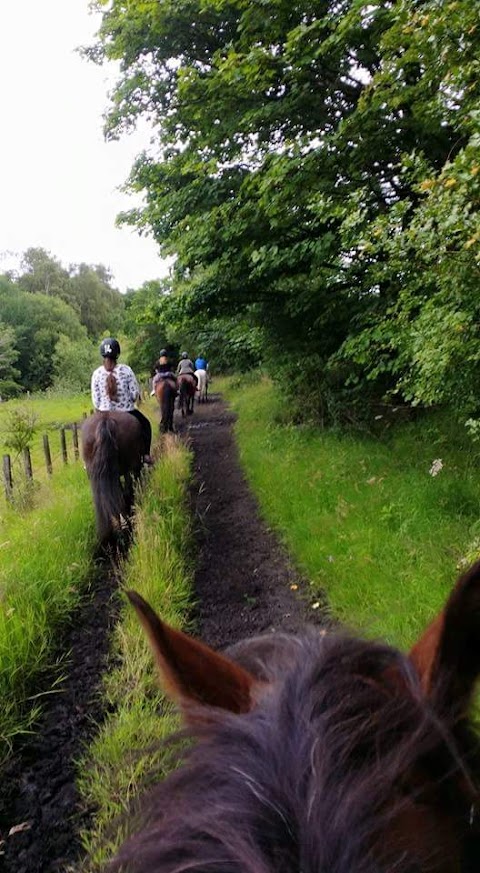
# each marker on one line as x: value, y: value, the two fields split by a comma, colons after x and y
x: 302, y: 781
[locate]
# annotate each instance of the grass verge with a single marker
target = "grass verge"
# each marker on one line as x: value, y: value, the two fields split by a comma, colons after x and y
x: 362, y: 517
x: 127, y: 750
x: 45, y: 559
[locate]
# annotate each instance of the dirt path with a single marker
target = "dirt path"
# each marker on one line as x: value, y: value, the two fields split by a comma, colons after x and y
x: 242, y: 587
x: 243, y: 576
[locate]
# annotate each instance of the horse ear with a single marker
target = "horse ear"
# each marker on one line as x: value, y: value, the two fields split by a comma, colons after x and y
x: 447, y: 656
x: 190, y: 671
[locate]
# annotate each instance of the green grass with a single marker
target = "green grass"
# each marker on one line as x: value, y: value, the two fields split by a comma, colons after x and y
x: 126, y: 755
x: 52, y: 411
x: 45, y: 560
x: 362, y: 517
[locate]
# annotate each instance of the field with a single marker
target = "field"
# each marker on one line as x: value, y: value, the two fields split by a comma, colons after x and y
x: 376, y: 526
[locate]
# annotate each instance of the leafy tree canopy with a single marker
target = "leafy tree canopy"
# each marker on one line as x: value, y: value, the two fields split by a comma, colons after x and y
x: 315, y: 171
x: 87, y: 289
x: 36, y: 322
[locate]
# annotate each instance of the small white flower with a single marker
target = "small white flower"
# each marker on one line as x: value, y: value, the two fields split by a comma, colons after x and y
x: 437, y: 465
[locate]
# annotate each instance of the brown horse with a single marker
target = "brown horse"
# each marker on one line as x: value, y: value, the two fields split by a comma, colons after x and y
x: 112, y: 449
x: 165, y: 392
x: 187, y: 387
x: 319, y: 753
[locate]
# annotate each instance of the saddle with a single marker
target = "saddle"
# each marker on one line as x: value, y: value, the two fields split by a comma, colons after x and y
x: 169, y: 377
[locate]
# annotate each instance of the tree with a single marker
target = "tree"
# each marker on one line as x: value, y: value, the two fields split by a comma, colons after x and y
x: 9, y: 374
x: 315, y: 173
x: 44, y: 274
x: 74, y: 363
x: 37, y: 321
x: 99, y: 305
x: 86, y: 288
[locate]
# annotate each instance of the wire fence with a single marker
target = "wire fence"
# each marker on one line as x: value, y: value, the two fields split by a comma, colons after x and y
x: 66, y: 450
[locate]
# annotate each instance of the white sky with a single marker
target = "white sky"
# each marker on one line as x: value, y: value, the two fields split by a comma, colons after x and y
x: 58, y: 177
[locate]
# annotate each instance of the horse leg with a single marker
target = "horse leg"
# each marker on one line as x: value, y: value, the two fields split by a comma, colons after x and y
x: 129, y: 492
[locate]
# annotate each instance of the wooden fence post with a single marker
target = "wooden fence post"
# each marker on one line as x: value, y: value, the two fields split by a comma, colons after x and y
x: 63, y: 442
x: 7, y: 478
x: 48, y: 457
x: 27, y: 463
x: 75, y: 439
x: 46, y: 452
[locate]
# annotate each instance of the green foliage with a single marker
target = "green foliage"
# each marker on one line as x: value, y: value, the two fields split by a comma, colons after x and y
x: 38, y: 322
x: 46, y: 309
x: 147, y: 324
x: 8, y: 356
x: 318, y: 177
x: 45, y: 562
x: 74, y: 363
x: 100, y: 307
x: 20, y: 427
x: 43, y: 274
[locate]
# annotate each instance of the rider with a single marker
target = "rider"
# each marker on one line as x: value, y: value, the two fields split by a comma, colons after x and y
x: 186, y: 367
x: 163, y: 370
x: 115, y: 389
x: 201, y: 363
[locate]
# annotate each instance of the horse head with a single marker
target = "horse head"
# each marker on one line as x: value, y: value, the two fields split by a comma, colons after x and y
x: 320, y: 752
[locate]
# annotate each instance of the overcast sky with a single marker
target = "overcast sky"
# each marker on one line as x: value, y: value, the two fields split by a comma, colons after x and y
x: 58, y: 177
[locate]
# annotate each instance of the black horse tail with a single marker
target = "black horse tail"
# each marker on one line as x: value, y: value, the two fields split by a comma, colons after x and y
x: 104, y: 473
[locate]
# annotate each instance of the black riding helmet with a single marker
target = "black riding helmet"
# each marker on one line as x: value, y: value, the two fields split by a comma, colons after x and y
x: 110, y: 348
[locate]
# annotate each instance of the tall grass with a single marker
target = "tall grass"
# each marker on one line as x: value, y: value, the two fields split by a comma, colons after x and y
x: 47, y: 541
x: 45, y: 559
x: 363, y: 517
x: 126, y: 752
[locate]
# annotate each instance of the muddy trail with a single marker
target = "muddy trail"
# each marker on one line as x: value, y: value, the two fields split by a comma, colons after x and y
x: 244, y: 582
x: 244, y: 585
x: 40, y: 810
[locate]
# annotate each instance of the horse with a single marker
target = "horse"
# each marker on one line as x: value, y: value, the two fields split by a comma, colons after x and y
x: 318, y: 753
x: 165, y: 392
x: 186, y: 393
x: 112, y: 450
x: 202, y: 385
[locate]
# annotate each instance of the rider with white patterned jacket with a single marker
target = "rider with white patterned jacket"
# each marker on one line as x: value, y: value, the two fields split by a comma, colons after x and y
x: 115, y: 389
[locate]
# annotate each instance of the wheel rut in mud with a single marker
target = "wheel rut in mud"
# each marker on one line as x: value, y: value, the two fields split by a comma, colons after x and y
x: 243, y: 575
x: 40, y: 811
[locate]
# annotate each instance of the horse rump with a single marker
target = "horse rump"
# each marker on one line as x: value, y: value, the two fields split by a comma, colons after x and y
x: 186, y: 389
x: 101, y: 451
x: 165, y: 392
